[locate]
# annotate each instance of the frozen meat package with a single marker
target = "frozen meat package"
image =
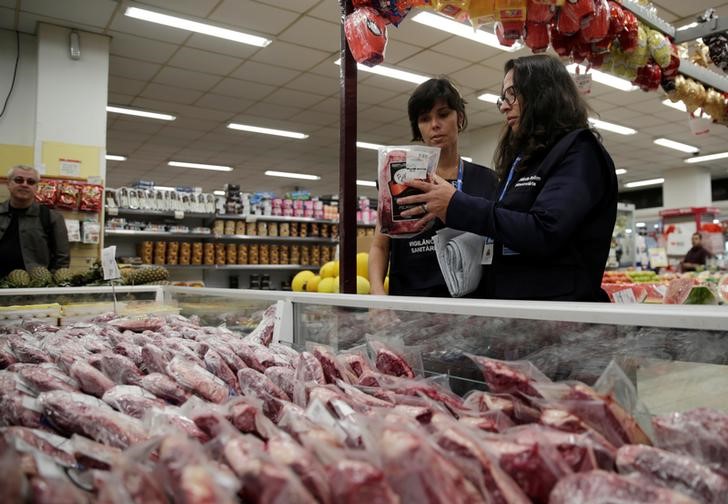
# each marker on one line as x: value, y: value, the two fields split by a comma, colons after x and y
x: 399, y: 164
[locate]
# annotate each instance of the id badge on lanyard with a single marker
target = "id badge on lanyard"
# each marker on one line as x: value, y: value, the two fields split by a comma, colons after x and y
x: 489, y: 245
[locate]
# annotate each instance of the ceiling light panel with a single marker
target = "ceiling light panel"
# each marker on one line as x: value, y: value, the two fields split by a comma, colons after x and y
x: 195, y: 26
x: 200, y: 166
x: 462, y: 30
x: 614, y: 128
x: 267, y: 131
x: 391, y: 72
x: 643, y: 183
x: 671, y: 144
x: 139, y: 113
x: 708, y: 157
x: 603, y: 78
x: 301, y: 176
x: 114, y: 157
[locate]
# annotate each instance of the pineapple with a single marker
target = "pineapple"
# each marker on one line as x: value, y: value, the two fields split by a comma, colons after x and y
x: 40, y: 276
x: 149, y: 274
x: 62, y: 277
x: 18, y: 278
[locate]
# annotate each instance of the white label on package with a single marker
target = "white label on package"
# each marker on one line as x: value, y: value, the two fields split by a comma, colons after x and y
x: 583, y: 83
x: 108, y: 263
x: 624, y: 296
x: 179, y: 214
x: 417, y: 163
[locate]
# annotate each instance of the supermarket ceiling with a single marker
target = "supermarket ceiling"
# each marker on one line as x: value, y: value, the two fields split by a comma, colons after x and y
x: 293, y: 84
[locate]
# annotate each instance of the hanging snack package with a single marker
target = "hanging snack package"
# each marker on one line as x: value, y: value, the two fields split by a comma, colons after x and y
x: 91, y: 198
x: 397, y: 165
x: 47, y: 192
x: 366, y: 33
x: 68, y: 196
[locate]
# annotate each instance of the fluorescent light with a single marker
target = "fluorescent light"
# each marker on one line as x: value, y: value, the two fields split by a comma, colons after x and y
x: 113, y: 157
x: 164, y: 188
x: 620, y: 171
x: 462, y: 30
x: 671, y: 144
x: 466, y: 158
x: 604, y: 78
x: 716, y: 221
x: 200, y: 166
x: 367, y: 145
x: 267, y: 131
x: 218, y: 193
x: 709, y: 157
x: 642, y: 183
x: 367, y: 183
x: 687, y: 26
x: 139, y: 113
x: 628, y: 231
x: 681, y: 107
x: 489, y: 97
x: 614, y: 128
x: 195, y: 26
x: 302, y: 176
x: 392, y: 72
x: 640, y: 224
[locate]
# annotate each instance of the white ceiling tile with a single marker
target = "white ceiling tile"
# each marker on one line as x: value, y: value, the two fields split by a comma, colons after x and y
x: 397, y: 50
x: 242, y: 89
x: 266, y: 74
x: 432, y: 63
x: 414, y: 33
x: 219, y: 102
x: 221, y: 46
x: 315, y: 33
x: 132, y: 69
x: 291, y: 56
x: 204, y: 61
x: 465, y: 49
x: 171, y: 94
x: 197, y: 8
x: 89, y: 12
x: 125, y: 86
x: 297, y: 6
x: 148, y: 30
x: 259, y: 18
x: 478, y: 77
x: 315, y: 84
x: 313, y: 116
x: 119, y: 98
x: 186, y: 78
x: 371, y: 95
x: 28, y: 23
x: 271, y: 110
x: 328, y: 10
x: 292, y: 98
x: 129, y: 46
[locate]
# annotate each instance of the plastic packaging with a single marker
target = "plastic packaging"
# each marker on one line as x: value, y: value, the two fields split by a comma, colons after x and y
x: 366, y: 33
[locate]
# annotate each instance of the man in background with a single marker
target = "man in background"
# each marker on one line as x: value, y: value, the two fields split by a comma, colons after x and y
x: 30, y: 234
x: 696, y: 256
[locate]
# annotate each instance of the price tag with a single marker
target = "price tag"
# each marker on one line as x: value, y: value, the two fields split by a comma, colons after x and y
x: 624, y: 296
x: 108, y: 263
x: 583, y: 83
x: 179, y: 214
x: 112, y: 211
x: 95, y: 179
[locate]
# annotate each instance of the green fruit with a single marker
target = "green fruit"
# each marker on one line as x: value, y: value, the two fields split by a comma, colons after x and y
x: 62, y: 277
x: 40, y: 276
x: 702, y: 294
x: 18, y: 278
x: 149, y: 274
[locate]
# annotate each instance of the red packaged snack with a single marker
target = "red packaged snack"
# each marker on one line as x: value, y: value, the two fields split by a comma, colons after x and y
x: 616, y: 18
x: 629, y: 36
x: 561, y: 43
x: 598, y: 25
x: 539, y: 12
x: 574, y: 15
x: 648, y: 76
x: 580, y: 51
x: 536, y: 36
x: 501, y: 34
x: 47, y: 192
x: 397, y: 166
x: 366, y: 33
x: 68, y: 195
x: 91, y: 198
x: 394, y: 11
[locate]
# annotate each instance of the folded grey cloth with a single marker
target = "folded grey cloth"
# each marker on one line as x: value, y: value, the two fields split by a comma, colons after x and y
x: 459, y: 255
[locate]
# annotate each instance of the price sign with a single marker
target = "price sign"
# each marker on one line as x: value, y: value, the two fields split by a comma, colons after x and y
x: 108, y: 263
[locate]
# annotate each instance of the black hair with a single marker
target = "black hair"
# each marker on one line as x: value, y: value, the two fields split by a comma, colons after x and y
x: 423, y: 98
x: 550, y: 107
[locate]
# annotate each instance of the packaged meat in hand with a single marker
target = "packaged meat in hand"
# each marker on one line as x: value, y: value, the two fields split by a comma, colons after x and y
x: 397, y: 166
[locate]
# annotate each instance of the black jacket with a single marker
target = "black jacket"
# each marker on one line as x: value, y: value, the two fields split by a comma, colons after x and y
x: 552, y: 229
x: 414, y: 270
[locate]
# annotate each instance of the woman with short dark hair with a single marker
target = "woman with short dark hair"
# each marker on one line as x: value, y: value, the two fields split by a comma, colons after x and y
x: 548, y: 230
x: 436, y: 112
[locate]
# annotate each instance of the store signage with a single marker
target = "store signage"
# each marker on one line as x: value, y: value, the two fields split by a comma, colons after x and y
x: 108, y: 263
x: 69, y: 167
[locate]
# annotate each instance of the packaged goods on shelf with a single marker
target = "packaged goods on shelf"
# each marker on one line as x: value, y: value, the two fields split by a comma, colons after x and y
x: 284, y: 229
x: 242, y: 253
x: 231, y: 253
x: 264, y: 253
x: 91, y: 232
x: 272, y: 229
x: 73, y: 228
x: 197, y: 254
x: 218, y: 227
x: 251, y: 229
x: 239, y: 227
x: 209, y: 254
x: 160, y: 252
x: 253, y: 257
x: 293, y: 229
x: 229, y: 227
x: 172, y: 253
x: 145, y: 250
x: 261, y: 228
x: 284, y: 255
x: 185, y: 253
x: 220, y: 254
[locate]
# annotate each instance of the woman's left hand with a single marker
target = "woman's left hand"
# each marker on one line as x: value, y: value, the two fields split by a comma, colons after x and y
x: 432, y: 203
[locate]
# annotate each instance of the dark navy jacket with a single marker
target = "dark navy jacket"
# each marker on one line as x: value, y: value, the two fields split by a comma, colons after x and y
x: 414, y: 270
x: 552, y: 230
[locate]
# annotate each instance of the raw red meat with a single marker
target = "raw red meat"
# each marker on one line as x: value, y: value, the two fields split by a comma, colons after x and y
x: 50, y: 444
x: 153, y: 359
x: 131, y: 400
x: 19, y: 409
x: 309, y: 368
x: 502, y: 377
x: 604, y: 487
x: 197, y: 379
x: 333, y: 370
x: 138, y: 325
x: 701, y: 433
x: 25, y: 351
x: 359, y: 482
x: 257, y: 385
x: 388, y: 362
x: 678, y: 472
x: 44, y: 377
x: 165, y: 388
x: 217, y: 366
x: 283, y: 377
x: 91, y: 454
x: 120, y: 369
x: 91, y: 380
x: 284, y: 450
x: 356, y: 363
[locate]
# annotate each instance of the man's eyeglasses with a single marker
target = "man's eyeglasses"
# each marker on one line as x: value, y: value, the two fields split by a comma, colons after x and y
x: 508, y: 96
x: 25, y: 180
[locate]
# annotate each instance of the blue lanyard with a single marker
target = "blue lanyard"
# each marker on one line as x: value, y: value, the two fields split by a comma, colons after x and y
x: 459, y: 183
x: 510, y: 176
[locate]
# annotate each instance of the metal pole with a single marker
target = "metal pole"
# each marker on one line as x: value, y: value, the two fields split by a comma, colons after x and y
x: 347, y: 163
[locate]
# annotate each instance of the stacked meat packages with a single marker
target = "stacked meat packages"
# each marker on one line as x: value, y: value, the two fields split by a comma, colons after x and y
x: 165, y: 410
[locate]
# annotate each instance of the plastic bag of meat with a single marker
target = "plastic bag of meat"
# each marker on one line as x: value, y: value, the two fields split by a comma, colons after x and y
x: 133, y: 478
x: 701, y: 433
x: 512, y: 376
x: 398, y: 165
x: 393, y: 358
x: 678, y: 472
x: 53, y: 446
x: 91, y: 380
x: 44, y: 377
x: 50, y: 483
x: 131, y: 400
x: 263, y: 334
x: 602, y: 486
x: 197, y: 379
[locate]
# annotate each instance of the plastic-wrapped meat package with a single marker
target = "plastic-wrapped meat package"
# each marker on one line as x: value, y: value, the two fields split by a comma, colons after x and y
x: 255, y: 384
x: 91, y: 380
x: 333, y: 370
x: 172, y: 420
x: 138, y: 325
x: 284, y: 450
x: 701, y: 433
x: 678, y: 472
x: 164, y: 388
x: 247, y: 353
x: 389, y: 362
x: 489, y: 421
x: 153, y: 359
x: 308, y: 368
x: 51, y: 484
x: 20, y: 409
x: 131, y: 481
x: 283, y: 377
x: 72, y: 412
x: 515, y: 376
x: 44, y: 377
x: 197, y: 379
x: 13, y: 481
x: 366, y: 34
x: 94, y: 344
x: 173, y: 347
x: 269, y: 358
x: 217, y: 366
x: 120, y: 369
x: 91, y: 454
x: 603, y: 486
x: 429, y: 388
x: 7, y: 357
x: 359, y: 482
x: 263, y: 333
x: 356, y: 363
x: 131, y: 400
x: 130, y: 350
x: 232, y: 360
x: 27, y: 350
x: 397, y: 166
x: 55, y: 447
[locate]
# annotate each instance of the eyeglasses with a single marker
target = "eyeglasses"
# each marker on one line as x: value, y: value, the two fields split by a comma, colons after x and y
x: 25, y: 180
x: 508, y: 96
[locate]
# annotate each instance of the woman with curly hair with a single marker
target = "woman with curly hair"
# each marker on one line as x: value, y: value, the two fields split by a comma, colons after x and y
x: 548, y: 230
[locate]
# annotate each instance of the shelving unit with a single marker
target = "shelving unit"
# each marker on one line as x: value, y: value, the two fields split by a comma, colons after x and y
x: 220, y: 237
